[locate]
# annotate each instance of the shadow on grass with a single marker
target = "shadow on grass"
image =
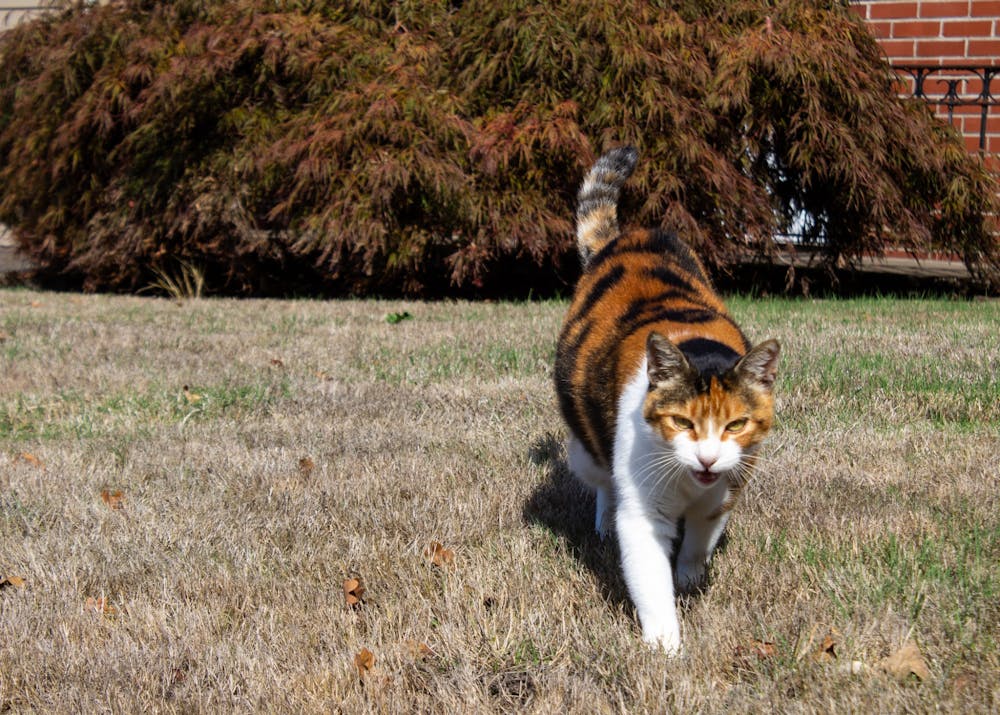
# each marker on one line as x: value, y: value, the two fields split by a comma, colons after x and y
x: 566, y: 508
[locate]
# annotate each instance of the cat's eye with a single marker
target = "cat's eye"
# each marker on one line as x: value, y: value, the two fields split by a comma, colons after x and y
x: 736, y: 425
x: 682, y: 423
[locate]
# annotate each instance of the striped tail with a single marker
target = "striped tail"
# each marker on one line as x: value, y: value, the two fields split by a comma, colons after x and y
x: 597, y: 202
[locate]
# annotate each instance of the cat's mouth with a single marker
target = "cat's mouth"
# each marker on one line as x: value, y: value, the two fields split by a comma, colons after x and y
x: 703, y: 476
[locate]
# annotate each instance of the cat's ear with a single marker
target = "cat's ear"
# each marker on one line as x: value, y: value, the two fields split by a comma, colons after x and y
x: 759, y: 367
x: 664, y: 360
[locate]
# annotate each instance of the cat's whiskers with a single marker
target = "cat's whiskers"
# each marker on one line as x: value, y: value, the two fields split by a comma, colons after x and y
x: 665, y: 466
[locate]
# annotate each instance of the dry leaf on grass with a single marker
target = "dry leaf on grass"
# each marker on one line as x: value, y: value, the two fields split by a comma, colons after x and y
x: 11, y: 582
x: 827, y: 650
x: 761, y: 649
x: 354, y: 589
x: 306, y: 466
x: 905, y: 662
x: 824, y: 651
x: 418, y: 651
x: 749, y: 657
x: 191, y: 397
x: 4, y: 336
x: 29, y: 458
x: 277, y: 362
x: 100, y: 605
x: 113, y: 499
x: 364, y: 661
x: 439, y: 555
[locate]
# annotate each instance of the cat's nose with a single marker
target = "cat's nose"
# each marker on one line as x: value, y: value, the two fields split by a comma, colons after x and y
x: 707, y: 461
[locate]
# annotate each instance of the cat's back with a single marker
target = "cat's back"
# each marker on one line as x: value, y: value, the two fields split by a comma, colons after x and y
x: 632, y: 284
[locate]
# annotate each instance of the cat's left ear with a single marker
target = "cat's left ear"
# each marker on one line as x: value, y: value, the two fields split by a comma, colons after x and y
x: 759, y: 367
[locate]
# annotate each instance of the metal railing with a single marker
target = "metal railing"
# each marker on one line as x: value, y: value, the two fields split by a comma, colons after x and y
x: 956, y: 86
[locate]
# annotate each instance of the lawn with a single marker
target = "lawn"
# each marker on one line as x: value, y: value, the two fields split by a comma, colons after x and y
x: 305, y: 506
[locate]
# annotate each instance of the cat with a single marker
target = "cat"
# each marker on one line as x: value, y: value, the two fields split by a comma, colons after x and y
x: 665, y: 399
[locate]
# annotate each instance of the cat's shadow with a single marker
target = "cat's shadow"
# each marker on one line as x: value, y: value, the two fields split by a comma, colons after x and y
x: 566, y: 508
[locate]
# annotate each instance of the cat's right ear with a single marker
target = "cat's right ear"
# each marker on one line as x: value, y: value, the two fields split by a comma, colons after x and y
x: 759, y: 367
x: 664, y: 360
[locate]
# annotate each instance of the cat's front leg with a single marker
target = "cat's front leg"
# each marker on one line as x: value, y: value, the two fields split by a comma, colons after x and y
x: 701, y: 534
x: 645, y: 544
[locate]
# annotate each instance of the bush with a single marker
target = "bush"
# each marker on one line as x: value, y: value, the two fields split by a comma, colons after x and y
x: 370, y: 146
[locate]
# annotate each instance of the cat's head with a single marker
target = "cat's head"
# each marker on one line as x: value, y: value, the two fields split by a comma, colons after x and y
x: 712, y: 423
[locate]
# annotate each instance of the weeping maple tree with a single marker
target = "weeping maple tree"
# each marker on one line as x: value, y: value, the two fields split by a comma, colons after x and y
x: 401, y: 147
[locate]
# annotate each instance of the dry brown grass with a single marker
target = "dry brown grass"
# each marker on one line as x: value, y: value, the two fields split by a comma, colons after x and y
x: 876, y: 520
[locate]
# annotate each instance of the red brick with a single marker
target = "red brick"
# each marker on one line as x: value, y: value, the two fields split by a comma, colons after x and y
x: 993, y: 121
x: 984, y: 48
x: 969, y: 110
x: 892, y: 10
x: 970, y: 125
x: 985, y: 8
x: 971, y: 143
x: 881, y: 29
x: 859, y: 9
x: 927, y: 49
x: 967, y: 28
x: 944, y: 9
x: 993, y: 144
x: 897, y: 50
x: 916, y: 28
x: 971, y: 88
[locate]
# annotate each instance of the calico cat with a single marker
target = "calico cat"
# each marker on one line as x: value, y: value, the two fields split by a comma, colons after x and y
x: 665, y: 400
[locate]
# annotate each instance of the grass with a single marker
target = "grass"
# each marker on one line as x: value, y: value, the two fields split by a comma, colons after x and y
x: 266, y: 451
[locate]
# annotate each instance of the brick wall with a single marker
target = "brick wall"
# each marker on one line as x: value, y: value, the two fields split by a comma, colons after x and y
x: 945, y: 32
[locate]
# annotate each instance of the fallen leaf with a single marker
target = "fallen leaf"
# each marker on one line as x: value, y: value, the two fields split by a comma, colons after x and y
x: 747, y: 657
x: 31, y: 459
x: 191, y: 397
x: 35, y: 304
x: 418, y: 651
x: 354, y: 589
x: 905, y: 662
x: 4, y: 335
x: 364, y: 661
x: 824, y: 650
x: 113, y: 498
x: 306, y: 466
x: 965, y: 681
x: 827, y: 650
x: 322, y: 375
x: 100, y: 605
x: 277, y: 362
x: 12, y: 582
x: 439, y: 555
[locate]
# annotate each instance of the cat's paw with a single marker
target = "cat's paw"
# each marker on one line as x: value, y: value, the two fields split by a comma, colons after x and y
x: 665, y: 639
x: 690, y: 577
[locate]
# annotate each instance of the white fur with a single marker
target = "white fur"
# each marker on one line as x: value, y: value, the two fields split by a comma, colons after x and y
x: 654, y: 488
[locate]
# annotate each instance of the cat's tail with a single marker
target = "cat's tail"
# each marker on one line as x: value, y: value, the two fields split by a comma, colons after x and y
x: 597, y: 202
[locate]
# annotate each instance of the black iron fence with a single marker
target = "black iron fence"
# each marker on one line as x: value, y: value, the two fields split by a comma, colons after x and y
x: 964, y: 94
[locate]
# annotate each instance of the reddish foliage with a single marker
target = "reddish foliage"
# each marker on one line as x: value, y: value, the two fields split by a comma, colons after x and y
x: 392, y: 146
